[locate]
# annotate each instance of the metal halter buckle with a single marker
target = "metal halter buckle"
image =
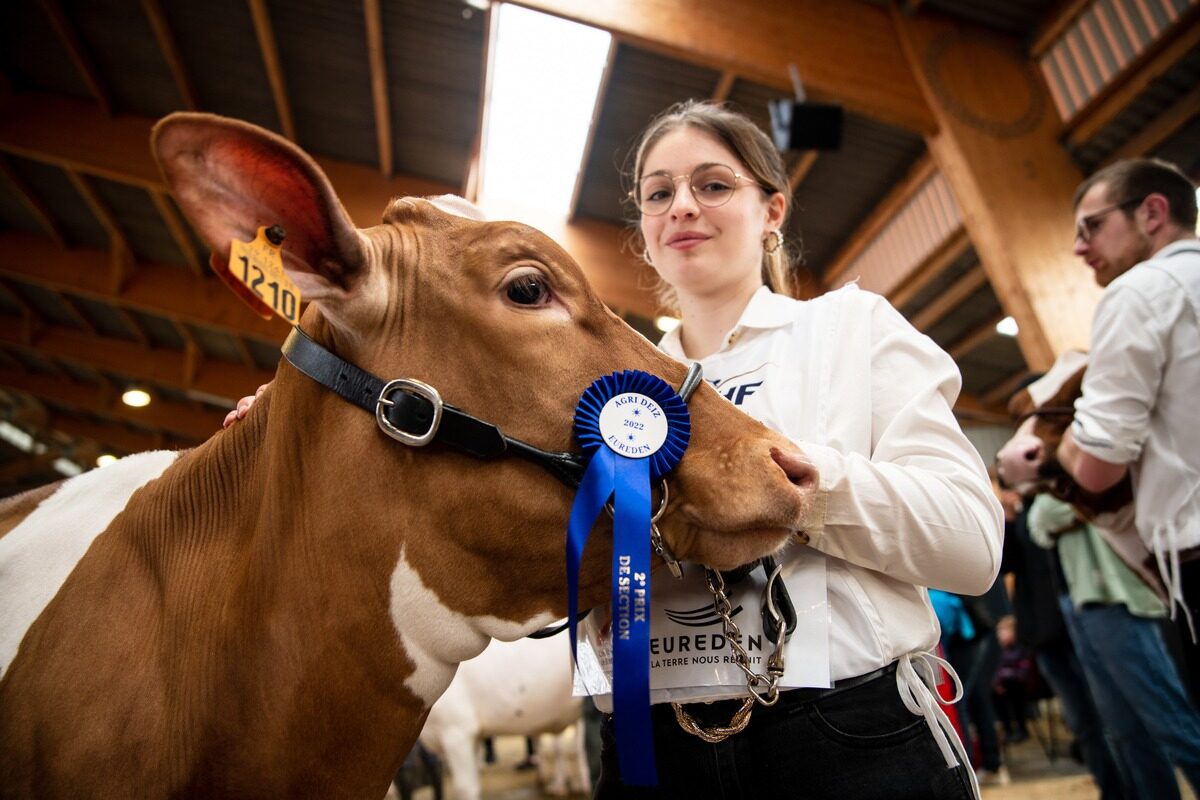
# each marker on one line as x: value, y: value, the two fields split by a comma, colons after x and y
x: 411, y: 387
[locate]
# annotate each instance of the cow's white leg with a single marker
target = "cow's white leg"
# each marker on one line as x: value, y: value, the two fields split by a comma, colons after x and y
x: 459, y: 752
x: 582, y: 775
x: 552, y: 763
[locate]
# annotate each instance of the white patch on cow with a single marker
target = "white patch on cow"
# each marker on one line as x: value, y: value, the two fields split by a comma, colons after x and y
x: 37, y: 556
x: 438, y: 638
x: 1049, y: 384
x: 458, y: 206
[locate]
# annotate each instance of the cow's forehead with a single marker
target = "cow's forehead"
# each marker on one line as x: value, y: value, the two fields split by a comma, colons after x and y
x: 458, y: 206
x: 1046, y: 387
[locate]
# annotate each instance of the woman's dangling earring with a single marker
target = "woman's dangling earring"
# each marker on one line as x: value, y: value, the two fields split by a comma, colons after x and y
x: 772, y: 241
x: 646, y: 256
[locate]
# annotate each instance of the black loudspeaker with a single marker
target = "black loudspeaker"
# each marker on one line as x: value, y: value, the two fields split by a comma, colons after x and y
x: 805, y: 126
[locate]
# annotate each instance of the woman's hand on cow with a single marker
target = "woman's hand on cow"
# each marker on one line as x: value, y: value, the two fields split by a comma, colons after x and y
x: 243, y: 406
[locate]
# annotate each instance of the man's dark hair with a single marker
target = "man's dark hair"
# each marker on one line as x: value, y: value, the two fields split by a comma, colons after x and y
x: 1133, y: 179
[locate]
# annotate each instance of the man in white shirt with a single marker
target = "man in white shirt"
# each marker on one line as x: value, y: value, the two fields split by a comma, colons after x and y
x: 1136, y: 229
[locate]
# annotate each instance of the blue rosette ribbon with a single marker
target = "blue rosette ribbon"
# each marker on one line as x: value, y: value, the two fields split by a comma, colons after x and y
x: 634, y: 428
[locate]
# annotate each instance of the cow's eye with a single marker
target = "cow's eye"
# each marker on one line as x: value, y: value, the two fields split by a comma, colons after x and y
x: 529, y: 289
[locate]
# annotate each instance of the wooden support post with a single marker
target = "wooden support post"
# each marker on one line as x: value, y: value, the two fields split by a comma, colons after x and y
x: 997, y: 145
x: 379, y: 85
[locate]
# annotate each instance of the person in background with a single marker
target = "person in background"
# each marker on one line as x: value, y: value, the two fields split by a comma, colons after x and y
x: 1113, y: 619
x: 1135, y: 228
x: 1038, y: 587
x: 979, y: 663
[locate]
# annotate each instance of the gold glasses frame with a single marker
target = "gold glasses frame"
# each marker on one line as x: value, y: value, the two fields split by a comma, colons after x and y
x: 634, y: 194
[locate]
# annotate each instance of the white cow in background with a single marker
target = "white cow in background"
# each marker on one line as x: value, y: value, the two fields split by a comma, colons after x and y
x: 521, y: 688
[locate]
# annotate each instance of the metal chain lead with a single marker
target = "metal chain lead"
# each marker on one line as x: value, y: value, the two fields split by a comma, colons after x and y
x: 754, y: 680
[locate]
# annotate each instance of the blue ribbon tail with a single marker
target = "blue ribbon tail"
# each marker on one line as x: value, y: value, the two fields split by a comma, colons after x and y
x: 594, y: 491
x: 631, y: 622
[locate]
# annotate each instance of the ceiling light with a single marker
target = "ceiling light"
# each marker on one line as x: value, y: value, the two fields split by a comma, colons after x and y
x: 1007, y: 327
x: 105, y: 460
x: 666, y: 324
x: 136, y: 397
x: 65, y: 466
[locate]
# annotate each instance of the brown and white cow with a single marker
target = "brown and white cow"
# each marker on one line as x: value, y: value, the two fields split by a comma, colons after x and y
x: 273, y: 613
x: 1028, y: 462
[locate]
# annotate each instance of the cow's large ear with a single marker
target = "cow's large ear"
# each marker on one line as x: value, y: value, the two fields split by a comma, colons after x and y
x: 231, y: 177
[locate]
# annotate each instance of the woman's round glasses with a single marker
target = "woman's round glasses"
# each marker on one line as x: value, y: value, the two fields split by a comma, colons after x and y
x: 711, y: 184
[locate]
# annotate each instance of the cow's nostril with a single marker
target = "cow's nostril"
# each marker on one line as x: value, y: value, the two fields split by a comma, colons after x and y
x: 799, y: 471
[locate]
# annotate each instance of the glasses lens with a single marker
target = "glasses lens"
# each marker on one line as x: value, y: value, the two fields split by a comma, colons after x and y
x: 655, y: 193
x: 713, y: 185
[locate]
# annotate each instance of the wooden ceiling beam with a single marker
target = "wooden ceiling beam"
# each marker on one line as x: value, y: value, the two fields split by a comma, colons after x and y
x: 134, y: 326
x: 1053, y: 25
x: 179, y: 231
x: 1160, y: 128
x: 79, y: 56
x: 36, y: 206
x: 45, y: 128
x: 847, y: 51
x: 473, y: 173
x: 970, y: 408
x: 73, y: 309
x: 379, y: 85
x: 802, y: 168
x: 156, y: 288
x: 936, y: 263
x: 28, y: 464
x: 270, y: 56
x: 975, y: 337
x: 113, y: 438
x: 1163, y: 53
x: 222, y: 381
x: 170, y: 51
x: 951, y: 298
x: 184, y: 420
x: 879, y: 218
x: 724, y: 86
x: 999, y: 394
x: 42, y: 128
x: 99, y: 208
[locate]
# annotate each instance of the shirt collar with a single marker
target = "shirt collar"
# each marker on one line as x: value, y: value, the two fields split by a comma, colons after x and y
x: 765, y: 310
x: 1177, y: 245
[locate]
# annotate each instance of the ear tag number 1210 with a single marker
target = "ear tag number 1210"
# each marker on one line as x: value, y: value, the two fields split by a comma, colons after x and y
x: 258, y: 265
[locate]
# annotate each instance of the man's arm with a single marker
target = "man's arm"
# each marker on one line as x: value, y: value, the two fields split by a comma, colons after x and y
x: 1093, y: 474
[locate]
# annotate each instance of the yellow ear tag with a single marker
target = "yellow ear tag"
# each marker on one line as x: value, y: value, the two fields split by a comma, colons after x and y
x: 256, y: 270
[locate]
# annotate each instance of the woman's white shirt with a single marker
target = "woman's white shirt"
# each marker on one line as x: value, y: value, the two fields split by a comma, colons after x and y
x: 904, y: 501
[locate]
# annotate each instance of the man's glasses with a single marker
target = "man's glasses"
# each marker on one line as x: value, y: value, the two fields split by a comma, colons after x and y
x: 712, y: 185
x: 1089, y: 226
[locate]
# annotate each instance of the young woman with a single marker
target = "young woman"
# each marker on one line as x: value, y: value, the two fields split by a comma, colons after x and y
x: 904, y: 501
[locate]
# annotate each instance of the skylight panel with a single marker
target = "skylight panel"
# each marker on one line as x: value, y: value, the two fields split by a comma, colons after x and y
x: 545, y: 76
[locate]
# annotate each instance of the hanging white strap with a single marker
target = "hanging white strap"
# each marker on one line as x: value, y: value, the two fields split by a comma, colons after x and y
x: 1167, y: 555
x: 917, y: 679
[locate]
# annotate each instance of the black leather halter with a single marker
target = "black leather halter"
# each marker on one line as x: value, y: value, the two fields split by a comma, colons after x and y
x: 413, y: 412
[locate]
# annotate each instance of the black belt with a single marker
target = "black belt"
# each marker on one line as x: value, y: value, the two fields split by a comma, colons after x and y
x: 718, y: 712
